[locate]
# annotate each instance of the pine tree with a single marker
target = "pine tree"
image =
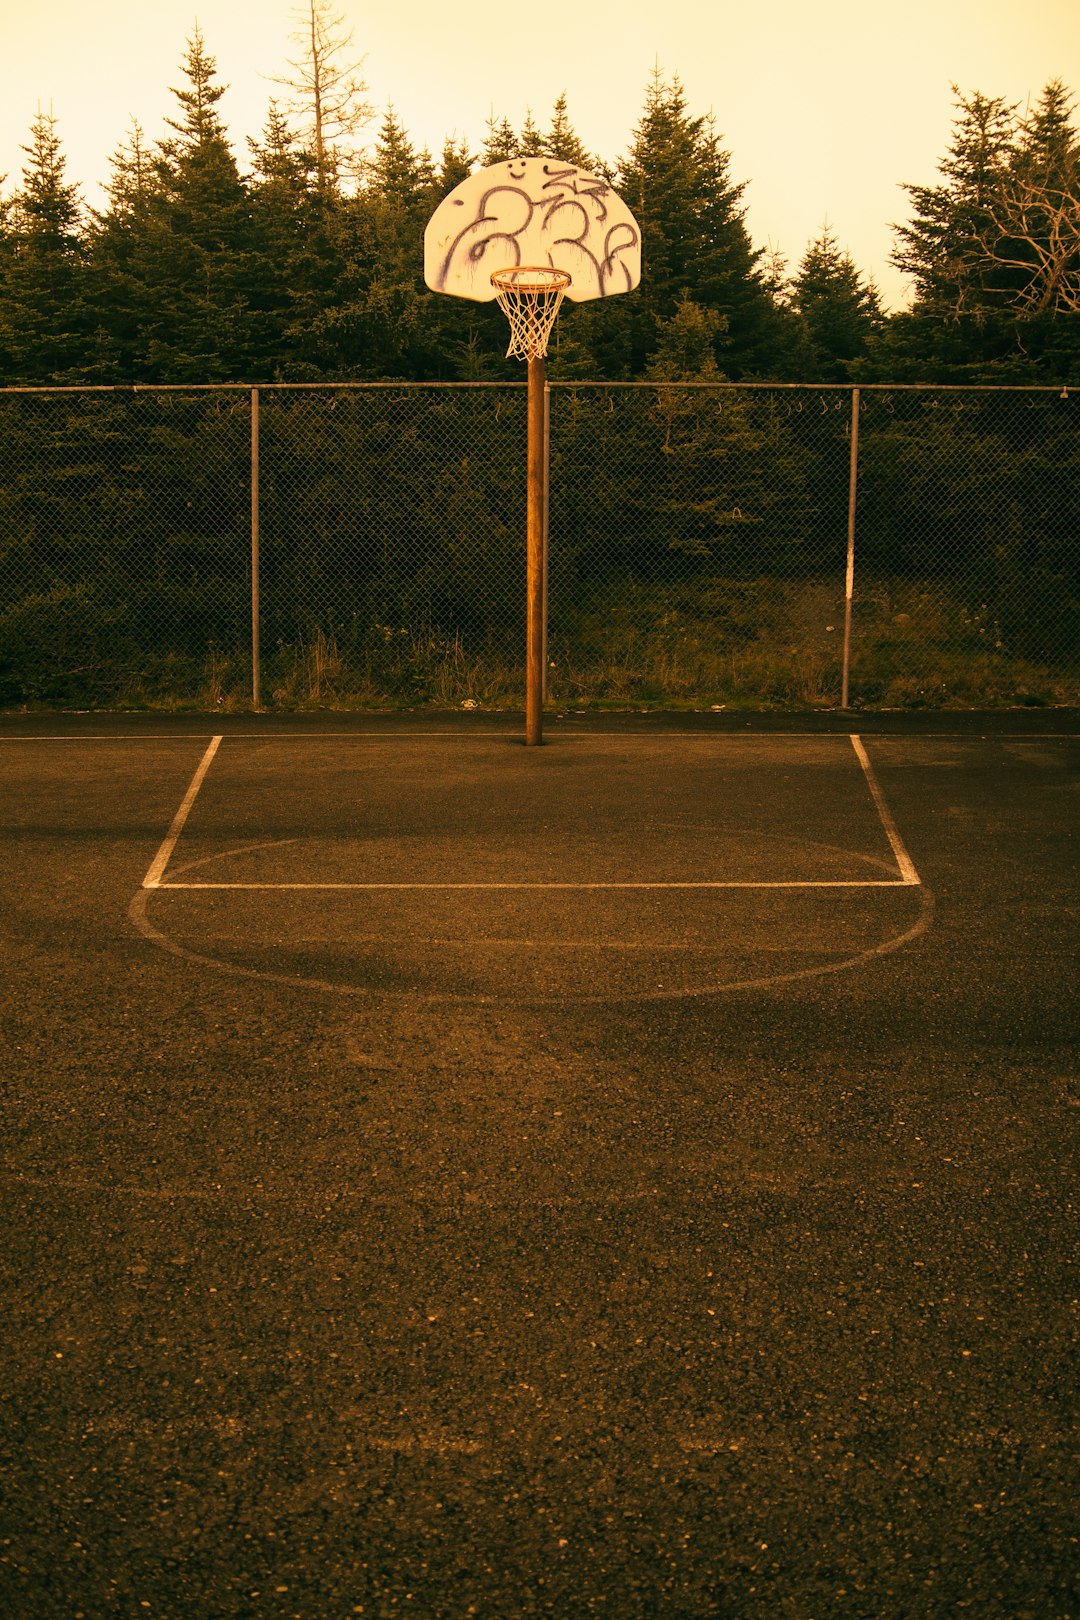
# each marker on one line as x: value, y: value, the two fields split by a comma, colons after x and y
x: 686, y: 345
x: 381, y: 320
x: 116, y: 237
x: 200, y: 254
x: 456, y: 166
x: 185, y: 282
x: 283, y: 177
x: 294, y: 224
x: 1048, y: 141
x: 398, y: 175
x: 676, y: 180
x: 938, y: 248
x: 562, y: 142
x: 133, y: 173
x: 530, y: 143
x: 45, y: 321
x: 500, y: 142
x: 1036, y: 213
x: 7, y: 248
x: 994, y: 247
x: 839, y: 311
x: 558, y: 141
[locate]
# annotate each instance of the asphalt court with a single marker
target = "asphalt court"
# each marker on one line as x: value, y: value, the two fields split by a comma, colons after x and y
x: 599, y: 867
x: 632, y: 1176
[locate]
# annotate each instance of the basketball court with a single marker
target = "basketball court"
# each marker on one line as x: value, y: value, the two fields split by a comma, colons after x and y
x: 453, y: 1176
x: 461, y: 866
x: 448, y: 1175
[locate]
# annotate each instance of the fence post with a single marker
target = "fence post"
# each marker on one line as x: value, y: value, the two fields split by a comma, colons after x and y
x: 849, y: 583
x: 256, y: 680
x: 547, y: 504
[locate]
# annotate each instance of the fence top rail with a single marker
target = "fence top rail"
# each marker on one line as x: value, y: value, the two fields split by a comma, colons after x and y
x: 234, y: 387
x: 1062, y: 390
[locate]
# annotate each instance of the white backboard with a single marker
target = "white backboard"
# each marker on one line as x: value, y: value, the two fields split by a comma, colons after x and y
x: 534, y: 211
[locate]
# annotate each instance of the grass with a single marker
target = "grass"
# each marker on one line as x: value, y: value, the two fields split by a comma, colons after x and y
x: 706, y: 643
x: 761, y: 644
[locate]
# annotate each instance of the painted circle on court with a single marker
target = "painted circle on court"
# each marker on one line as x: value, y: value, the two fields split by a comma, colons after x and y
x: 535, y: 944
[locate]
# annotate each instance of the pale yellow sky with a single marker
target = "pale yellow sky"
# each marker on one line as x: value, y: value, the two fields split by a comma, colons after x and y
x: 825, y: 109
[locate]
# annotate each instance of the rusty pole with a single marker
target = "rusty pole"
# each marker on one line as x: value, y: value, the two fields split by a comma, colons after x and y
x: 547, y: 534
x: 256, y: 673
x: 534, y: 640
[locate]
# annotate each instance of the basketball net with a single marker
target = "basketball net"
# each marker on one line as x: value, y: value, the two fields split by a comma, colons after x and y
x: 529, y: 296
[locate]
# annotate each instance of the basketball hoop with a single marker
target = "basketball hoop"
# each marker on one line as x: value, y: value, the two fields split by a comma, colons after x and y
x: 533, y: 209
x: 529, y: 296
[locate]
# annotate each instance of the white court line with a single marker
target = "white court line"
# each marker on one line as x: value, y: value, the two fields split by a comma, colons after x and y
x: 909, y: 877
x: 152, y: 880
x: 767, y: 883
x: 903, y: 859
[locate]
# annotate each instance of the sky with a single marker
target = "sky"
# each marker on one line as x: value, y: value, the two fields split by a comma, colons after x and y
x: 826, y: 107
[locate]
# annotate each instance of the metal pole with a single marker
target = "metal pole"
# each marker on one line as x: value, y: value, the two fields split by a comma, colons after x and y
x: 256, y: 676
x: 547, y: 505
x: 534, y: 640
x: 849, y: 584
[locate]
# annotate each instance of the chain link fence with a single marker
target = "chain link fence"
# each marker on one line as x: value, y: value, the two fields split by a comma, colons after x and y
x: 709, y: 545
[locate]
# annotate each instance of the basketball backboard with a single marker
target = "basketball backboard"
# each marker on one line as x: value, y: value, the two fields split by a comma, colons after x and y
x: 532, y: 211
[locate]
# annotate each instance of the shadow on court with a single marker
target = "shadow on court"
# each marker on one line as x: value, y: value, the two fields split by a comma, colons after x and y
x: 626, y: 1177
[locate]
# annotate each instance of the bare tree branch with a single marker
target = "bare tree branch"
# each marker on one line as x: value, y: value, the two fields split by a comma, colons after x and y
x: 328, y: 90
x: 1031, y: 228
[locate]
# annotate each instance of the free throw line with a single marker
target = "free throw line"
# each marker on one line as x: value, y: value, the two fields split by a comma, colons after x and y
x: 909, y: 877
x: 903, y: 859
x: 152, y: 880
x: 764, y: 883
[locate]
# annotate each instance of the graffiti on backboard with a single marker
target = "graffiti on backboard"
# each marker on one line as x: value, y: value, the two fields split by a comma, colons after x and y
x: 532, y: 211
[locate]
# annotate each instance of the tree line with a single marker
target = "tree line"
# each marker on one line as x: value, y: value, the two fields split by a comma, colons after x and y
x: 304, y: 264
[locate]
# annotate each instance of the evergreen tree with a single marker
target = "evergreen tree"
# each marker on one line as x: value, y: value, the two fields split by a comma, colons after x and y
x: 500, y: 142
x: 7, y: 250
x: 530, y: 143
x: 676, y: 180
x: 839, y: 311
x: 787, y: 356
x: 45, y: 321
x: 1048, y: 143
x: 994, y: 247
x: 686, y: 345
x: 282, y: 185
x: 558, y: 141
x: 456, y: 166
x: 1036, y: 214
x: 199, y: 256
x: 382, y: 321
x: 562, y: 142
x: 937, y: 249
x: 294, y: 224
x: 401, y: 178
x: 123, y: 300
x: 184, y: 292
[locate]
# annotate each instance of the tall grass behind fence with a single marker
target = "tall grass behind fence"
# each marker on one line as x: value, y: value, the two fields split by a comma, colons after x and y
x: 968, y: 547
x: 699, y: 545
x: 393, y: 525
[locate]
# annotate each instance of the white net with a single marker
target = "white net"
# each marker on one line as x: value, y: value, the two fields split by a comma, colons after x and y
x: 529, y: 296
